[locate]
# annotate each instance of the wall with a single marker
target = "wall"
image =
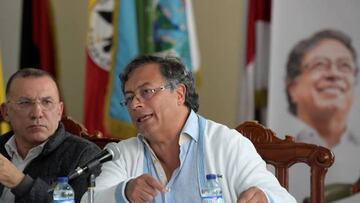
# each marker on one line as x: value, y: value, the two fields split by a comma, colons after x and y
x: 219, y: 27
x: 71, y: 23
x: 10, y: 18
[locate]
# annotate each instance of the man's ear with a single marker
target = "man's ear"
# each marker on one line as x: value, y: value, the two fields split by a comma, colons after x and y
x: 181, y: 93
x: 4, y: 112
x: 61, y: 109
x: 290, y: 88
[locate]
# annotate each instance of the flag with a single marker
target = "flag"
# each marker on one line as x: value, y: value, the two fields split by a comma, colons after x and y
x: 37, y: 41
x: 161, y: 27
x: 98, y: 61
x: 4, y: 127
x: 254, y: 80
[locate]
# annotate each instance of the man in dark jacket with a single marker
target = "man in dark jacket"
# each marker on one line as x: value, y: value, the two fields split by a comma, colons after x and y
x: 38, y: 149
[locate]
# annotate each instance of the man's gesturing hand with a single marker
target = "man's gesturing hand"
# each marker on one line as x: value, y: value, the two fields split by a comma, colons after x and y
x: 10, y: 176
x: 252, y: 195
x: 143, y: 189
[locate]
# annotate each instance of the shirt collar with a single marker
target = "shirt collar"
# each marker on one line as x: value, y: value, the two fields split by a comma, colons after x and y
x: 305, y: 132
x: 11, y: 149
x: 10, y: 146
x: 191, y: 126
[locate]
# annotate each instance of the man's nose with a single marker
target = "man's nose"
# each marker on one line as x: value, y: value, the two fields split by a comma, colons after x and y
x: 36, y: 110
x: 333, y: 67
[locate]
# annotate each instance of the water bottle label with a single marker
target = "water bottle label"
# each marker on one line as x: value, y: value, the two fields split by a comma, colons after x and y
x: 64, y: 201
x: 212, y: 199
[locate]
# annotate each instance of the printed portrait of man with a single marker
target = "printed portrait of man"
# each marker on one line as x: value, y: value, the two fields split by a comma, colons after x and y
x: 321, y: 75
x: 320, y: 82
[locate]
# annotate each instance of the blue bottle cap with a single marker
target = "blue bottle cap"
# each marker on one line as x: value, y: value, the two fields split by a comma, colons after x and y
x: 211, y: 176
x: 62, y: 179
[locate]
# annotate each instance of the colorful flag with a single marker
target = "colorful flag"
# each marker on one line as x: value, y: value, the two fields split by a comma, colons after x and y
x: 254, y: 80
x: 161, y: 27
x: 4, y: 127
x: 37, y: 41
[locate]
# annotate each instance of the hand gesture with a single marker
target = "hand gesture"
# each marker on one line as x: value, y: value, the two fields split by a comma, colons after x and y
x: 143, y: 189
x: 10, y: 176
x: 253, y: 194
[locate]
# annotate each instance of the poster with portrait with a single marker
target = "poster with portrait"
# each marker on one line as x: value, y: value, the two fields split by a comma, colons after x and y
x: 314, y: 92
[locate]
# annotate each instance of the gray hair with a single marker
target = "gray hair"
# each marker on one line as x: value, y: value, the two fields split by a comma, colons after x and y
x: 27, y: 73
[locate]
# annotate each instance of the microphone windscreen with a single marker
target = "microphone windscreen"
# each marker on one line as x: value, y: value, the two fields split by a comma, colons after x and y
x: 113, y: 150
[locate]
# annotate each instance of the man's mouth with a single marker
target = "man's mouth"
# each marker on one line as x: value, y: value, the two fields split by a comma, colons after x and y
x: 332, y: 89
x: 144, y: 118
x: 36, y: 126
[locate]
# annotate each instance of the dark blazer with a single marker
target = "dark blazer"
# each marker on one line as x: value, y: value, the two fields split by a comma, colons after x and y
x: 61, y: 154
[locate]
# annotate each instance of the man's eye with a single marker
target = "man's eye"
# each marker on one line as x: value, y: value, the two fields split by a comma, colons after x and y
x: 345, y: 65
x: 145, y: 90
x: 148, y: 91
x: 25, y: 103
x: 46, y: 102
x: 320, y: 64
x: 129, y: 99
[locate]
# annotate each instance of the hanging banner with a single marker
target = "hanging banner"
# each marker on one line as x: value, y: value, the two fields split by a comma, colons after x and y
x: 314, y: 94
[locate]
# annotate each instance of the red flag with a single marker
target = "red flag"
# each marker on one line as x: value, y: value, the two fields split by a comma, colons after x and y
x: 98, y: 62
x: 95, y: 92
x: 254, y: 79
x: 37, y: 41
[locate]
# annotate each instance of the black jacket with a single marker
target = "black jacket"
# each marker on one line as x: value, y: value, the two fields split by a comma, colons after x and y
x: 61, y: 154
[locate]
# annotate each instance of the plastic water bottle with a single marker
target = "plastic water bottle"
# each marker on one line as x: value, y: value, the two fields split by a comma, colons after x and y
x: 212, y: 192
x: 63, y: 192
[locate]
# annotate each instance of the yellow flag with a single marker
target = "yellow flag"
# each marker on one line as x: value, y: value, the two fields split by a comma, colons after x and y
x: 4, y: 127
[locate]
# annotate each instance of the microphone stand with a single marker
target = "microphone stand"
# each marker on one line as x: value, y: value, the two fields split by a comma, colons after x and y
x: 91, y: 188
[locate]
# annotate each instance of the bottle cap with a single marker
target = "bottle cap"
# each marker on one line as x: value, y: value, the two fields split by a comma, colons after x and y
x: 62, y: 179
x: 211, y: 176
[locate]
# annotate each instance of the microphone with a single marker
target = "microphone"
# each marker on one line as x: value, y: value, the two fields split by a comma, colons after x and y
x: 110, y: 152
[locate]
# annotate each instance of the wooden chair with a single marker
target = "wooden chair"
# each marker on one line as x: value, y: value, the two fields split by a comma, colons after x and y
x: 77, y: 128
x: 282, y: 154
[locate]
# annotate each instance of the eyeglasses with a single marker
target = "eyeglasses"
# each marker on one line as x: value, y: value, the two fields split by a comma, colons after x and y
x: 323, y: 64
x: 143, y: 94
x: 26, y: 104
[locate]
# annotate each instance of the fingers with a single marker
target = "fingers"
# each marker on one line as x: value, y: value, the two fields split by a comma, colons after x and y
x: 152, y: 182
x: 252, y: 195
x: 143, y: 189
x: 10, y: 176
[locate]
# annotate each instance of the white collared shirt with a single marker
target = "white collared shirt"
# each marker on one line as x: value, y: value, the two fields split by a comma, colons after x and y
x: 309, y: 135
x: 346, y: 168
